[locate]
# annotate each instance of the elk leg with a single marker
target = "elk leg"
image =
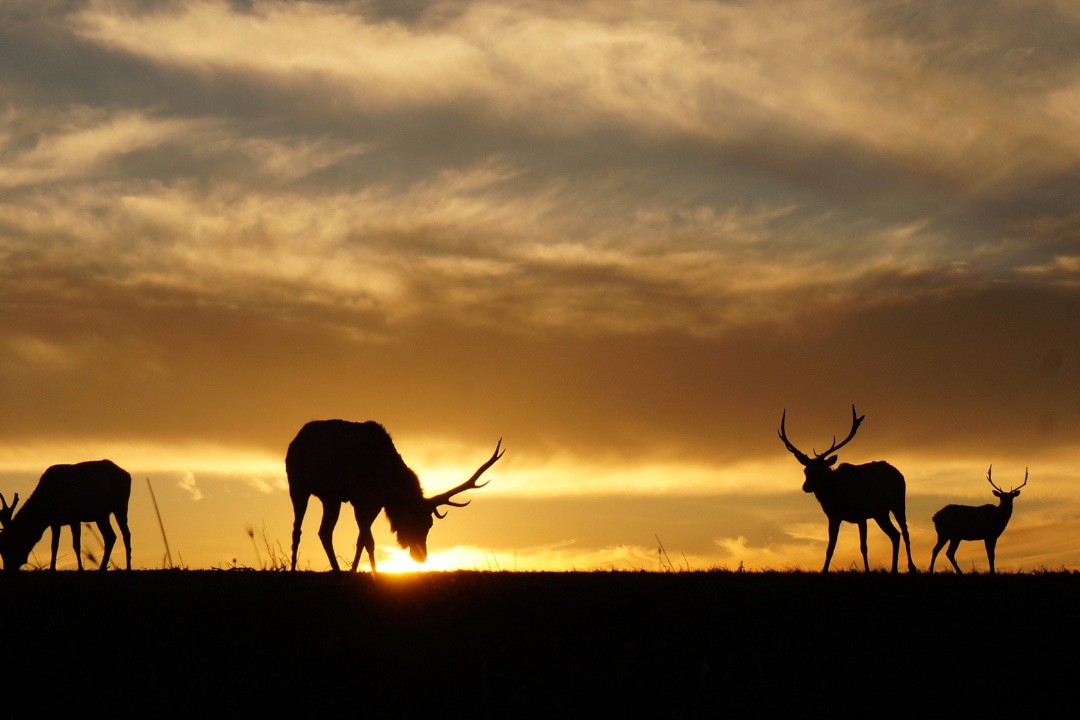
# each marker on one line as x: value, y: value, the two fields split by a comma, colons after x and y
x: 834, y: 530
x: 991, y: 544
x: 299, y: 509
x: 365, y: 541
x: 901, y: 520
x: 894, y: 535
x: 951, y: 554
x: 937, y: 548
x: 862, y: 545
x: 331, y: 510
x: 55, y: 544
x: 108, y: 537
x: 121, y: 520
x: 76, y: 542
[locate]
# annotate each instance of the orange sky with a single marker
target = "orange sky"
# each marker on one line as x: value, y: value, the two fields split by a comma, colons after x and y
x: 623, y: 236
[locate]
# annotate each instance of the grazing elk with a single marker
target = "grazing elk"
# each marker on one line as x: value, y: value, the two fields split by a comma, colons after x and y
x: 854, y: 493
x: 68, y: 495
x: 966, y: 522
x: 339, y: 461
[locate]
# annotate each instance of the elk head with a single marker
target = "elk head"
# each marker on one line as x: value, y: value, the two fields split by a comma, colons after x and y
x: 412, y: 531
x: 818, y: 467
x: 7, y: 511
x: 1005, y: 497
x: 13, y: 550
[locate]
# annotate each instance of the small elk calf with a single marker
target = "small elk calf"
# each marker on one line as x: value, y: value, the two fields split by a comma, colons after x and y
x: 966, y: 522
x: 67, y: 495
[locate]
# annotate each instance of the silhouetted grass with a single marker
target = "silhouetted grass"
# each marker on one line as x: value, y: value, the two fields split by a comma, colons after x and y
x: 166, y: 560
x: 276, y: 557
x: 642, y: 644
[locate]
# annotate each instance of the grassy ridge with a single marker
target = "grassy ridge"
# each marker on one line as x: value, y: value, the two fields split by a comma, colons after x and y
x: 707, y: 644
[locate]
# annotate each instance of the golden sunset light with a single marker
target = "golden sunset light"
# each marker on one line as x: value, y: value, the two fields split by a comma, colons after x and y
x: 622, y: 237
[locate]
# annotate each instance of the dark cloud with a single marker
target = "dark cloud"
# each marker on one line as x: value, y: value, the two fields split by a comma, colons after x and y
x: 1018, y: 46
x: 950, y: 372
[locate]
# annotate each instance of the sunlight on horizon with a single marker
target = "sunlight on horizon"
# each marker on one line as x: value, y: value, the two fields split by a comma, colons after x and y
x: 441, y: 464
x: 143, y: 457
x: 396, y: 560
x: 210, y: 492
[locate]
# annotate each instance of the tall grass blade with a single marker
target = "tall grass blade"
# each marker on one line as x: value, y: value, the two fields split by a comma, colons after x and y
x: 164, y: 538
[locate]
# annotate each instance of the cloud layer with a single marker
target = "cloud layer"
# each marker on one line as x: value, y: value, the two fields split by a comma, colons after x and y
x: 623, y: 235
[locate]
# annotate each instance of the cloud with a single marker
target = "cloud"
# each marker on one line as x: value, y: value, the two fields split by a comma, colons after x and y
x: 713, y: 71
x: 85, y: 143
x: 739, y: 553
x: 268, y: 485
x: 943, y: 370
x: 188, y: 484
x: 701, y: 167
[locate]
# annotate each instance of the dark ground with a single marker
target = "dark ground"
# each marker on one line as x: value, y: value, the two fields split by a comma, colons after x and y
x: 708, y: 644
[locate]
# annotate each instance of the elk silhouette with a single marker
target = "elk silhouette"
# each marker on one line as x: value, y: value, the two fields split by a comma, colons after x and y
x: 854, y: 493
x: 339, y: 461
x: 68, y: 495
x: 955, y: 523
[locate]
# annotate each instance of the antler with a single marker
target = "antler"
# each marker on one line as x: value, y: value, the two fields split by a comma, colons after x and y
x: 855, y: 423
x: 802, y: 457
x: 999, y: 489
x: 799, y: 455
x: 470, y: 484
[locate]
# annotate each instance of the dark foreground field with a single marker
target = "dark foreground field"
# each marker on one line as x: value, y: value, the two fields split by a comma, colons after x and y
x: 713, y: 644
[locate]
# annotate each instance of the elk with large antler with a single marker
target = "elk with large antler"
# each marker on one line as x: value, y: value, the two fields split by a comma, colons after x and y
x: 339, y: 461
x: 966, y: 522
x: 68, y: 495
x: 855, y: 493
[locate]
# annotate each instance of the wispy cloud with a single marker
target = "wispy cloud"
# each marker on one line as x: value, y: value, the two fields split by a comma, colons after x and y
x: 827, y: 71
x: 83, y: 144
x: 189, y: 485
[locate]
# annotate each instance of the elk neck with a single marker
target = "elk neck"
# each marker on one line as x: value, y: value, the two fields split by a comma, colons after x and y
x: 1004, y: 508
x: 408, y: 513
x: 29, y: 523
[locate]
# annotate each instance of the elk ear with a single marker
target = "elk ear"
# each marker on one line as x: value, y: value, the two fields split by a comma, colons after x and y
x: 997, y: 493
x: 830, y: 461
x: 1016, y: 493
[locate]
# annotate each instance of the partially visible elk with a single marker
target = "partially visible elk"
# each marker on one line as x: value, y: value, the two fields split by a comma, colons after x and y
x: 955, y: 523
x: 68, y: 495
x: 339, y: 462
x: 855, y: 493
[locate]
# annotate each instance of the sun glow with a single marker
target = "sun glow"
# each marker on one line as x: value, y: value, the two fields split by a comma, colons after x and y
x: 145, y: 457
x: 396, y: 560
